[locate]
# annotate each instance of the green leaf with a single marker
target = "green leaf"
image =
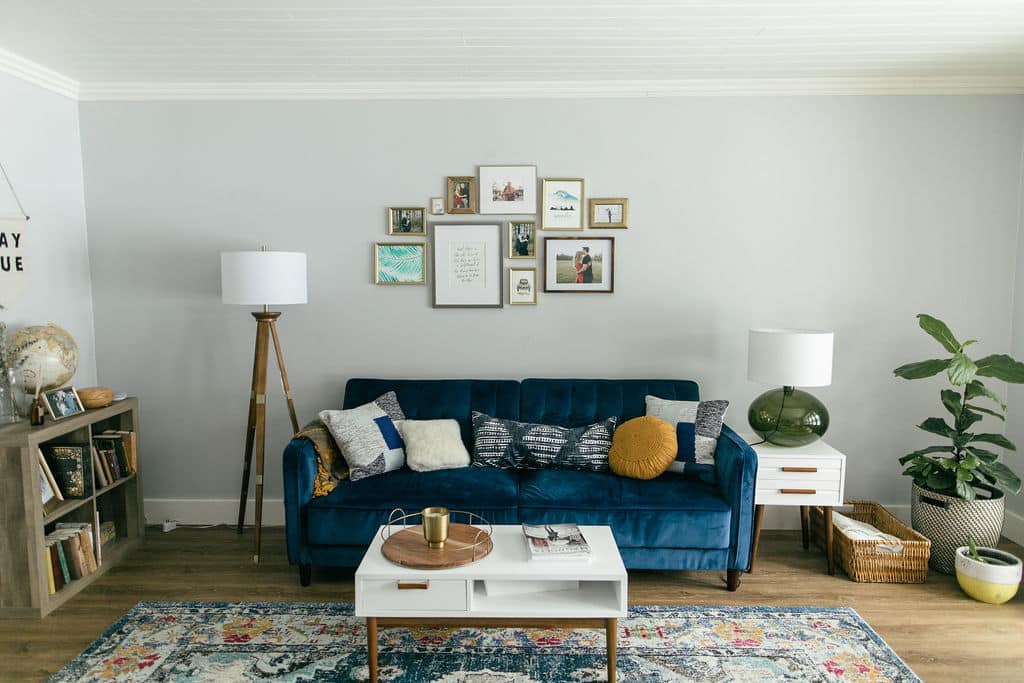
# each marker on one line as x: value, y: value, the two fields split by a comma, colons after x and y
x: 993, y: 413
x: 1002, y: 367
x: 925, y: 368
x: 996, y: 439
x: 965, y: 490
x: 982, y: 474
x: 947, y: 463
x: 962, y: 439
x: 966, y: 419
x: 940, y: 481
x: 963, y: 474
x: 982, y: 454
x: 936, y: 425
x: 951, y: 400
x: 925, y: 451
x: 939, y: 331
x: 1003, y: 475
x: 961, y: 370
x: 970, y: 462
x: 976, y: 389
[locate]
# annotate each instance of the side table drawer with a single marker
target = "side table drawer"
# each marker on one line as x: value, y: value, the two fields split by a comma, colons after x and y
x: 379, y: 595
x: 798, y: 495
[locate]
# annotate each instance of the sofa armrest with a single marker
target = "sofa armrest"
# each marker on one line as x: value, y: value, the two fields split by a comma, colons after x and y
x: 299, y: 464
x: 736, y: 471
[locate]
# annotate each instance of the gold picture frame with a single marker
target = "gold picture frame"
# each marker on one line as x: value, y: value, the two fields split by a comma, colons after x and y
x: 460, y: 194
x: 400, y: 217
x: 609, y: 212
x: 522, y: 286
x: 398, y: 263
x: 517, y: 249
x: 561, y: 203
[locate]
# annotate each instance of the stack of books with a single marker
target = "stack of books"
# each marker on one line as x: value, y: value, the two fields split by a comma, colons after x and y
x: 71, y: 553
x: 114, y: 455
x: 556, y: 542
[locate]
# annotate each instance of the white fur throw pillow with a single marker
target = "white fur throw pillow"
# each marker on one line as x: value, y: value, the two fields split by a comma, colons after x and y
x: 433, y: 445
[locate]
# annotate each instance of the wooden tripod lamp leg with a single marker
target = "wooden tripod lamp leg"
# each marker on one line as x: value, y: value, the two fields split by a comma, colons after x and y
x: 250, y: 429
x: 256, y: 432
x: 284, y: 377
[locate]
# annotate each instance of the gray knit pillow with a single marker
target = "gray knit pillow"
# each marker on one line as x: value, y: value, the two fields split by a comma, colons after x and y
x: 523, y: 445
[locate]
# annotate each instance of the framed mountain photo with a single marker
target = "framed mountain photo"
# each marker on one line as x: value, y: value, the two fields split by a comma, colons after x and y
x: 561, y: 204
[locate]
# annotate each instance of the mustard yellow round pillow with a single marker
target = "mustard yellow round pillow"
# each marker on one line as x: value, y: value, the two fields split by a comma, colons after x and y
x: 643, y: 448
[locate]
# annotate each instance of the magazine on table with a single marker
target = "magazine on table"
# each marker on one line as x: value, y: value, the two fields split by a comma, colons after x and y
x: 556, y: 541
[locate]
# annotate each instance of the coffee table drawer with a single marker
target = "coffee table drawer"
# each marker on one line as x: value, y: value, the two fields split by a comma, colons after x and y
x: 381, y: 596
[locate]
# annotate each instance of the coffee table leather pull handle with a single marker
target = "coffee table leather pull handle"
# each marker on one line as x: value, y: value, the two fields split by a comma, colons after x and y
x: 413, y: 585
x: 799, y: 469
x: 804, y: 492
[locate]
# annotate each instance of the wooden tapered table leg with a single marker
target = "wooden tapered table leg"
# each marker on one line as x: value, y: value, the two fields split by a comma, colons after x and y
x: 371, y: 647
x: 611, y: 634
x: 758, y: 518
x: 828, y: 539
x: 805, y: 524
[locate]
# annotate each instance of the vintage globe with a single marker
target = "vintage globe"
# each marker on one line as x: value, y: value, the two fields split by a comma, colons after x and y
x: 46, y: 351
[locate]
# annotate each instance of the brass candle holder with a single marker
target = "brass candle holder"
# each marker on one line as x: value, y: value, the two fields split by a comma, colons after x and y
x: 435, y: 526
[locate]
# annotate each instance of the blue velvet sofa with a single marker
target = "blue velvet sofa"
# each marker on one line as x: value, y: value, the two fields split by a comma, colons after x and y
x: 671, y: 522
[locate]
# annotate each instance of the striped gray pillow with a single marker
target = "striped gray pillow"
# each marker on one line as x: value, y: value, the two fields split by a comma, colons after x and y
x: 523, y: 445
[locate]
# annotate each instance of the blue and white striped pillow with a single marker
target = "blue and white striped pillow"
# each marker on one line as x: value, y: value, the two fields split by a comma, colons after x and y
x: 524, y: 445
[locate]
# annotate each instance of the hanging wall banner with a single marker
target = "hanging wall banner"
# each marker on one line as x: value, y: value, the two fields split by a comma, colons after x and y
x: 14, y: 260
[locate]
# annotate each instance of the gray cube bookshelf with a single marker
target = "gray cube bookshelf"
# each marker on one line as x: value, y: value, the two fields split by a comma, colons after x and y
x: 23, y: 576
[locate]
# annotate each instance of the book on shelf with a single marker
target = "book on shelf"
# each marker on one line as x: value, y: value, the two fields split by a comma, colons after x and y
x: 97, y: 467
x: 108, y: 532
x: 86, y: 540
x: 96, y: 542
x: 129, y: 441
x: 71, y: 466
x: 111, y: 449
x: 51, y: 587
x: 62, y: 561
x: 49, y: 474
x: 556, y: 542
x: 58, y: 577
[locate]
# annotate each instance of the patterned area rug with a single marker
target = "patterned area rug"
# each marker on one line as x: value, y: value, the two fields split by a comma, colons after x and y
x: 302, y: 642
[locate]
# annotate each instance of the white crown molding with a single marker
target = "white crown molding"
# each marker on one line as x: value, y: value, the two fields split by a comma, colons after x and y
x: 37, y: 74
x: 541, y: 89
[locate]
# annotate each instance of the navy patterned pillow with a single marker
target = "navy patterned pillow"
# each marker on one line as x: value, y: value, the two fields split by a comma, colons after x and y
x: 522, y: 445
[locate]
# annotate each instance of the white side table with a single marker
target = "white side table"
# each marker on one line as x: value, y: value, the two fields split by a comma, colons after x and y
x: 814, y: 474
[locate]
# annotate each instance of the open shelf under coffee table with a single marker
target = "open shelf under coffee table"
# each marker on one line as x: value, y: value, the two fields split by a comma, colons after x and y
x: 504, y: 588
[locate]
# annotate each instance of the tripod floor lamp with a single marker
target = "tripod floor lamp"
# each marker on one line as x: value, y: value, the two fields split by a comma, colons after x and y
x: 262, y: 278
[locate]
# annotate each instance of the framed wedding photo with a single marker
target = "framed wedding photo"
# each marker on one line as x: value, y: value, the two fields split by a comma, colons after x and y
x: 522, y: 286
x: 572, y: 264
x: 407, y: 221
x: 467, y: 266
x: 562, y: 204
x: 522, y: 239
x: 609, y: 212
x: 63, y: 402
x: 399, y: 264
x: 437, y: 206
x: 461, y: 194
x: 508, y: 189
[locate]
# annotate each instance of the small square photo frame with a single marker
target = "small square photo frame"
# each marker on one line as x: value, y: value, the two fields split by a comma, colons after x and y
x: 522, y: 286
x: 522, y: 239
x: 407, y: 220
x: 461, y: 194
x: 609, y: 212
x: 399, y: 263
x: 63, y: 402
x: 437, y: 206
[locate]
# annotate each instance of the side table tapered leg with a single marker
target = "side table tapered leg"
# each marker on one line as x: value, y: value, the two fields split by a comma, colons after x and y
x: 758, y: 519
x: 828, y: 539
x: 805, y: 525
x: 371, y: 647
x: 611, y: 633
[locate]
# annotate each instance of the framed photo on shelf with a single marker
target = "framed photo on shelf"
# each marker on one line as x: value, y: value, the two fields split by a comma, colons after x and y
x: 467, y: 266
x: 461, y: 194
x: 399, y: 263
x: 508, y: 189
x: 522, y: 286
x: 573, y: 264
x: 609, y: 212
x: 63, y: 402
x: 522, y: 239
x: 437, y: 206
x: 407, y: 220
x: 562, y: 204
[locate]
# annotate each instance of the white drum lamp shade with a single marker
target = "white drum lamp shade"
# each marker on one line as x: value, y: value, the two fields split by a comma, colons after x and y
x: 259, y: 278
x: 791, y: 358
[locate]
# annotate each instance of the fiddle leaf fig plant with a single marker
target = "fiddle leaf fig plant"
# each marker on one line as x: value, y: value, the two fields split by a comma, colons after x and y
x: 963, y: 459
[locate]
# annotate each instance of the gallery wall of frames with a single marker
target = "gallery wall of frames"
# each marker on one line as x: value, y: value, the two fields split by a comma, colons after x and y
x: 493, y: 261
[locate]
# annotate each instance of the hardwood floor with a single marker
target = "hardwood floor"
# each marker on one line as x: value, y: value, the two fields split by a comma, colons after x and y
x: 941, y: 633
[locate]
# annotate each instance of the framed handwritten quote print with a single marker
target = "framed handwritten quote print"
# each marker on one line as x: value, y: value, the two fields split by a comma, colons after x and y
x: 467, y: 266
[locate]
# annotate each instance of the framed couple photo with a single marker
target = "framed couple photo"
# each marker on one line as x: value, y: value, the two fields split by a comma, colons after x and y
x: 579, y: 265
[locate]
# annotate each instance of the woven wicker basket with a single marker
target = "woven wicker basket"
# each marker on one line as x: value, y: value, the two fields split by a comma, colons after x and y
x: 861, y: 561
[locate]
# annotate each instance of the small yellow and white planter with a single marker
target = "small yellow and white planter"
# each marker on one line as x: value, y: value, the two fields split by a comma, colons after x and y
x: 991, y: 583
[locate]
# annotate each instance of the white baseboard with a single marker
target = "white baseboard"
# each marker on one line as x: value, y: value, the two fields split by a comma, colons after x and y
x: 1013, y: 526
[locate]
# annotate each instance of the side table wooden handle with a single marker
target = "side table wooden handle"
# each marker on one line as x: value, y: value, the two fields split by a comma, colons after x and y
x: 412, y: 585
x: 799, y: 469
x: 799, y: 492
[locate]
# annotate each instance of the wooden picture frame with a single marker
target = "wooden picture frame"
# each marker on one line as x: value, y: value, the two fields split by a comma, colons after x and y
x: 567, y: 260
x: 522, y: 286
x: 437, y: 206
x: 407, y: 220
x: 399, y: 263
x: 609, y: 212
x: 63, y: 402
x: 517, y: 247
x: 467, y: 265
x: 460, y: 194
x: 561, y: 203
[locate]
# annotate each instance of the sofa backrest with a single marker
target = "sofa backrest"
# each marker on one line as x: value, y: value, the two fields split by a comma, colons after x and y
x: 437, y: 399
x: 575, y: 402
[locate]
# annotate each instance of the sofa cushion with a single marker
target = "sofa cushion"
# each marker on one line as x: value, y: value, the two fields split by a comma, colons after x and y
x: 671, y: 511
x: 698, y: 426
x: 575, y: 402
x: 643, y: 448
x: 433, y: 445
x: 352, y: 512
x: 510, y: 444
x: 368, y: 439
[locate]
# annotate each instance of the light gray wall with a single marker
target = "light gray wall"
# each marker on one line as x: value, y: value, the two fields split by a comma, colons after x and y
x: 1015, y: 417
x: 846, y: 213
x: 41, y: 150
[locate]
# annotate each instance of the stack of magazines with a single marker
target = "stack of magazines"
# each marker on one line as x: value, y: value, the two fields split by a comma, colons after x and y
x: 556, y: 541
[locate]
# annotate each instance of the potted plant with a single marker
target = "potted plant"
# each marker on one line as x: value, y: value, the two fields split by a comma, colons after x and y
x: 959, y: 484
x: 987, y: 574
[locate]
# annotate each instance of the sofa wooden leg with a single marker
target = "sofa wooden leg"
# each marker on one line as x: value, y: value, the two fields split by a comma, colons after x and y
x: 732, y: 579
x: 305, y: 574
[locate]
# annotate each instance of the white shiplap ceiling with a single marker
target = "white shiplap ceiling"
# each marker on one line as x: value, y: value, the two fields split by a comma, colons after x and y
x: 152, y: 49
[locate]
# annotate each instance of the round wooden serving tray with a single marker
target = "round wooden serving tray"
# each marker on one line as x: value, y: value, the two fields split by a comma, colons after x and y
x: 408, y: 548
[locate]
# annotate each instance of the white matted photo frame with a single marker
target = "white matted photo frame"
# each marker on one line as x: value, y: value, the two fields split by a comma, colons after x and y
x: 63, y: 402
x: 522, y: 239
x: 508, y: 190
x: 609, y: 212
x: 561, y: 204
x: 467, y: 266
x: 397, y: 263
x: 577, y: 264
x: 522, y: 286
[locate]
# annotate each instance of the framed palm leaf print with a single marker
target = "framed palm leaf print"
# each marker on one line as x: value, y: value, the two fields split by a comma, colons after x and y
x: 399, y: 264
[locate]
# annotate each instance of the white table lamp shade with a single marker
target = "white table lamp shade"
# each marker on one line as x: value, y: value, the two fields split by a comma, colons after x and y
x: 257, y: 278
x: 790, y: 358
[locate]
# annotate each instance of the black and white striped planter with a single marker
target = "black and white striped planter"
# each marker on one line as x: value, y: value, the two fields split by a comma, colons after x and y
x: 947, y: 521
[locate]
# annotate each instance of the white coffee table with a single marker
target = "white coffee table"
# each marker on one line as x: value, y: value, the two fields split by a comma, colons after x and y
x: 506, y: 586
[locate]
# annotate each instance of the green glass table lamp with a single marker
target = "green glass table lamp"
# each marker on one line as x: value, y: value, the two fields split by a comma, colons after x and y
x: 787, y: 416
